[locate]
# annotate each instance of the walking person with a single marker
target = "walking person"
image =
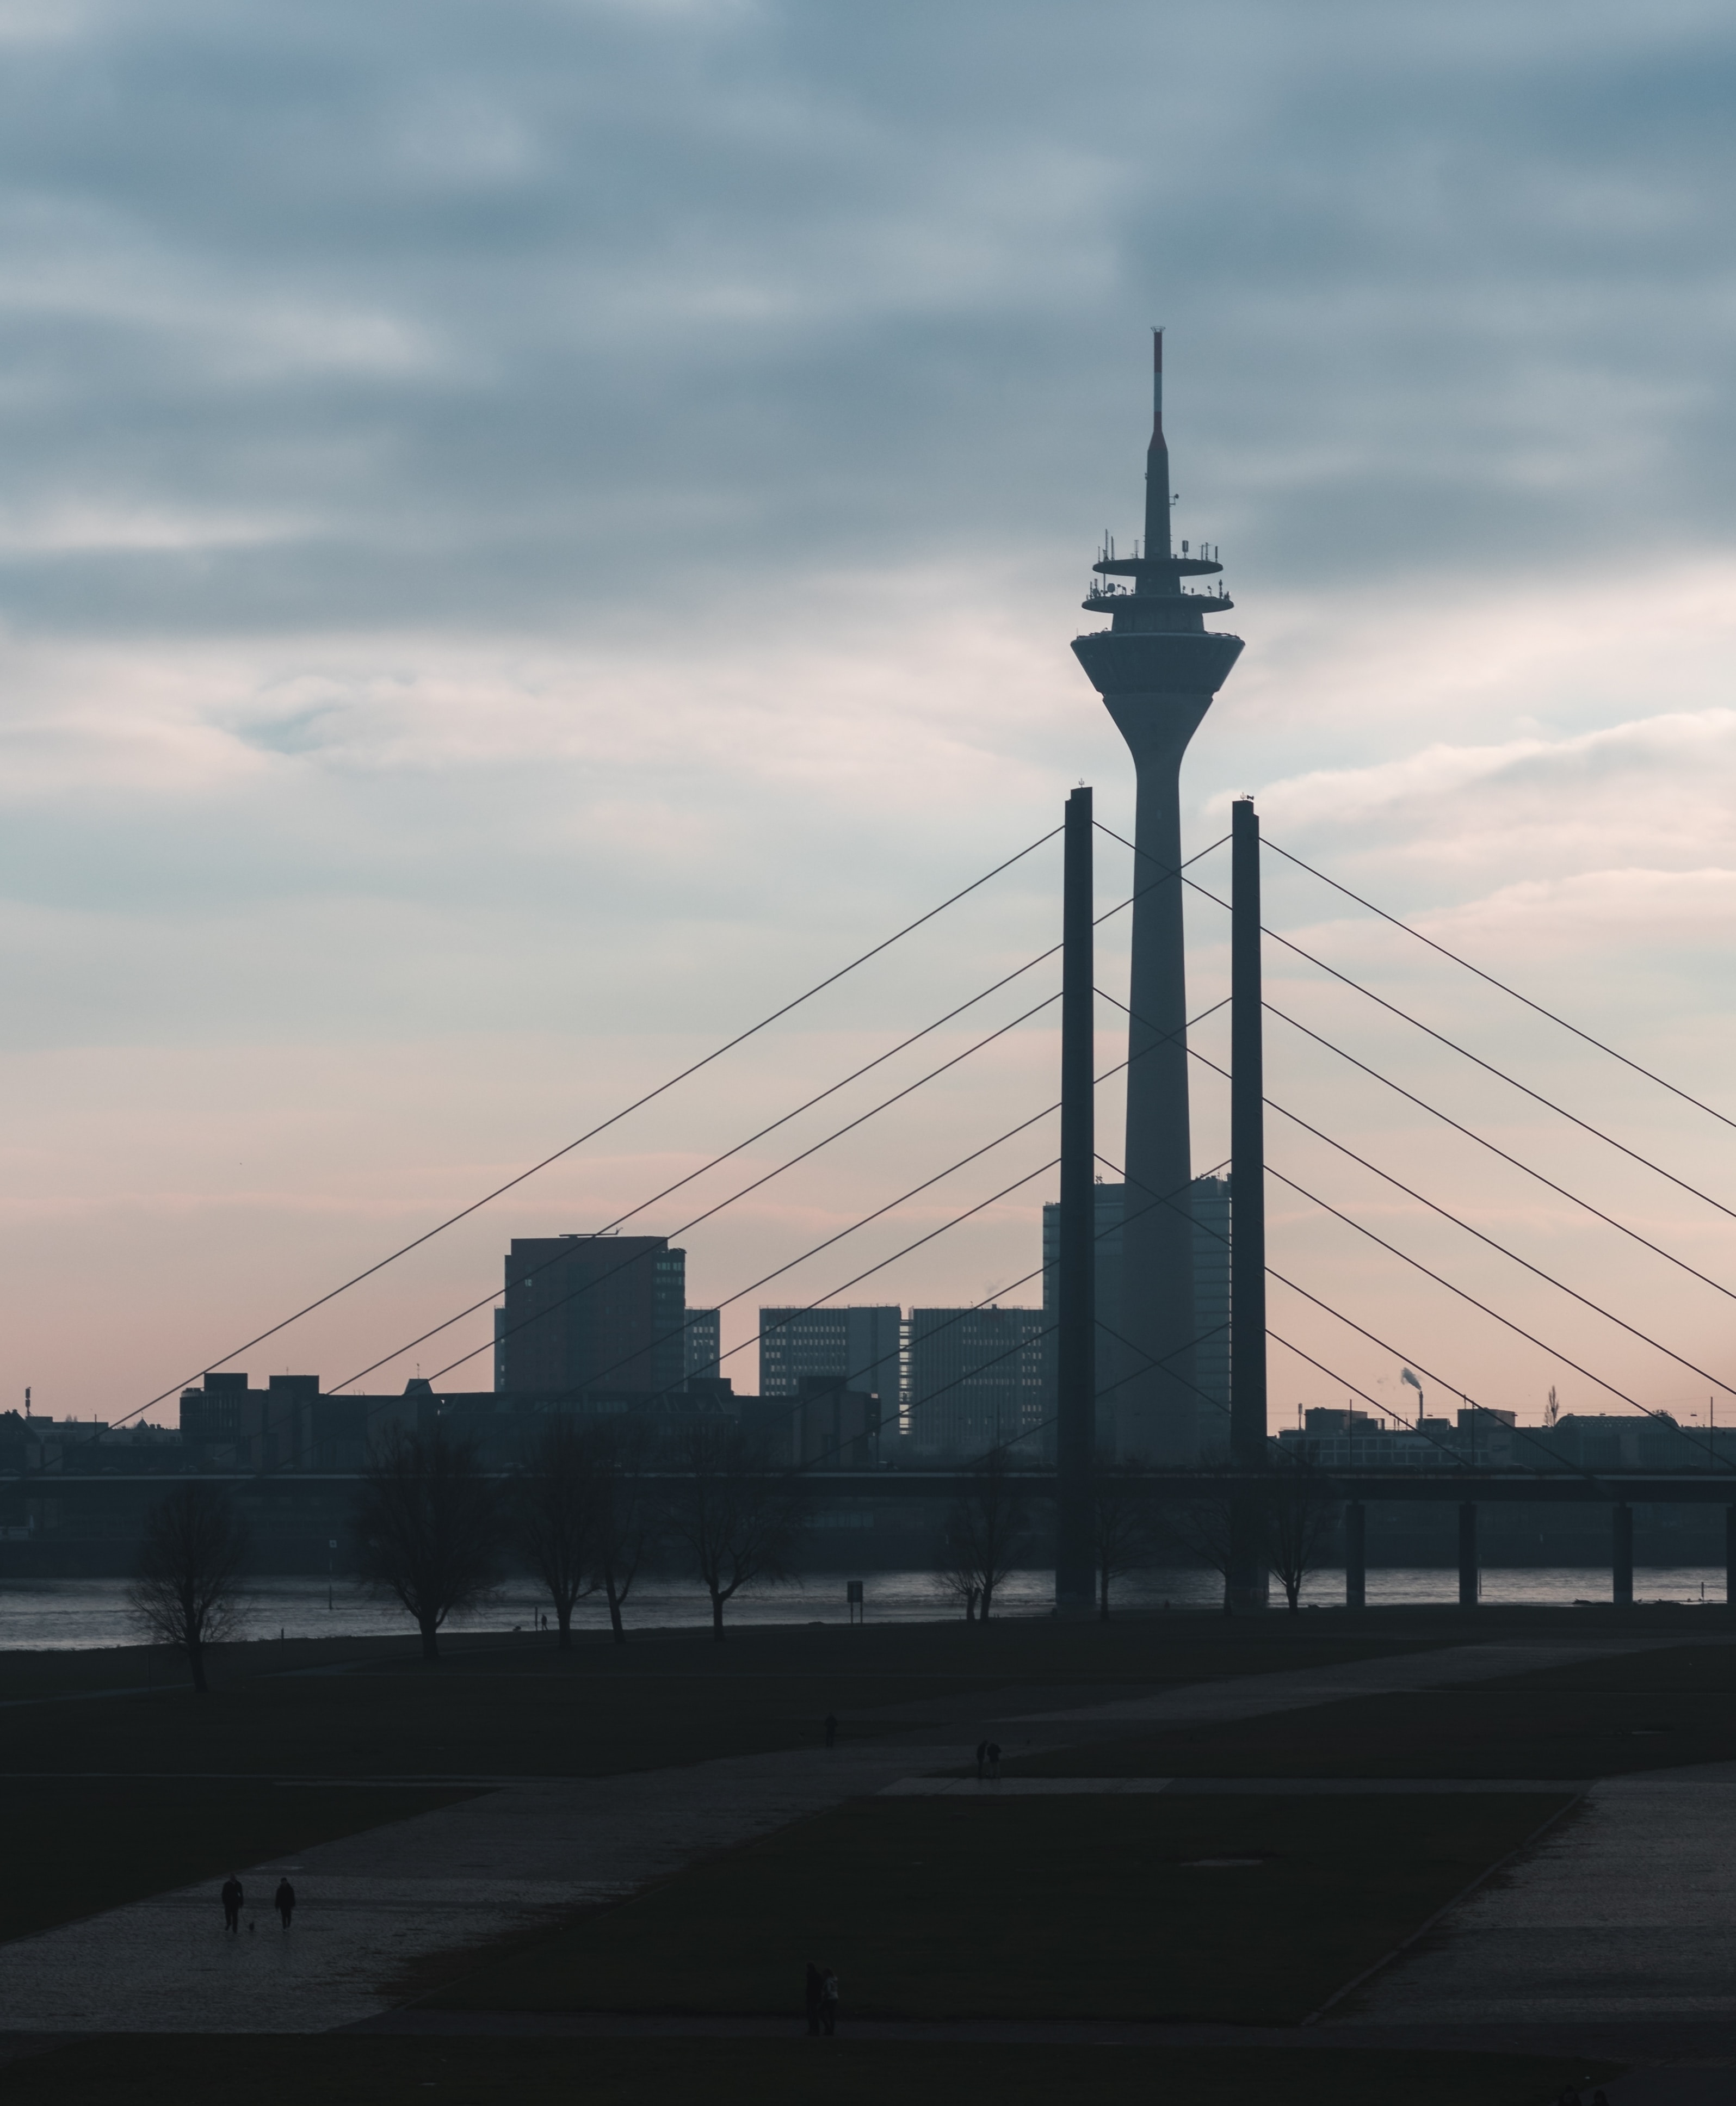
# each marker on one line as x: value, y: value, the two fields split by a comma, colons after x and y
x: 829, y: 2003
x: 994, y: 1760
x: 816, y: 1989
x: 232, y: 1897
x: 283, y: 1900
x: 982, y: 1757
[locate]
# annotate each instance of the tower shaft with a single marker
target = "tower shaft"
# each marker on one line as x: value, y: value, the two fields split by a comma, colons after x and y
x: 1157, y: 668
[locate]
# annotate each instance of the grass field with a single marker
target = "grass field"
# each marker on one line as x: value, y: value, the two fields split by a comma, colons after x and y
x: 940, y: 1908
x: 517, y: 1706
x: 168, y: 2070
x: 1638, y: 1711
x: 73, y: 1847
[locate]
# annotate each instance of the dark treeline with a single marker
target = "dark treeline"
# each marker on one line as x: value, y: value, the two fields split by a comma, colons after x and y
x: 592, y: 1505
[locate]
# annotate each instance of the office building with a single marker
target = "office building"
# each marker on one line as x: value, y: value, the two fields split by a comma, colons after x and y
x: 975, y: 1381
x: 833, y: 1427
x: 858, y: 1347
x: 593, y: 1312
x: 288, y: 1425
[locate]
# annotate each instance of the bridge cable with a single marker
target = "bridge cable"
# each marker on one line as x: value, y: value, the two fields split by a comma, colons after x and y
x: 1517, y: 1329
x: 1446, y: 1215
x: 856, y: 1074
x: 844, y: 1286
x: 1107, y: 915
x: 614, y: 1119
x: 1710, y: 1111
x: 1218, y: 1236
x: 1453, y: 1046
x: 1471, y: 1134
x: 541, y: 1314
x: 988, y: 1300
x: 1207, y: 1226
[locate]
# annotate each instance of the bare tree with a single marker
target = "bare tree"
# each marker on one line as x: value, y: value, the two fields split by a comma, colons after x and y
x: 737, y: 1521
x: 554, y: 1515
x: 429, y: 1528
x: 194, y: 1552
x: 986, y: 1531
x: 1123, y: 1524
x: 1201, y: 1522
x: 627, y: 1514
x: 1301, y: 1523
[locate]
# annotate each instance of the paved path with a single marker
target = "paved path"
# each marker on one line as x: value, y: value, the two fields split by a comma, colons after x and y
x: 537, y: 1849
x: 376, y: 1902
x: 1075, y: 1787
x: 1626, y: 1911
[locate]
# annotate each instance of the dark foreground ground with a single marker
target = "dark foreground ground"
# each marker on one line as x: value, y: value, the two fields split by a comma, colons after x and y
x: 170, y: 2071
x: 1250, y: 1909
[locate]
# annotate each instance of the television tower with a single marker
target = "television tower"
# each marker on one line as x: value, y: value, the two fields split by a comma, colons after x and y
x: 1157, y: 668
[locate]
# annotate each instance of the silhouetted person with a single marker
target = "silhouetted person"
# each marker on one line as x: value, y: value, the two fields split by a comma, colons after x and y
x: 832, y: 1731
x: 982, y: 1757
x: 829, y: 2003
x: 283, y: 1900
x: 816, y: 1991
x: 995, y: 1759
x: 232, y: 1898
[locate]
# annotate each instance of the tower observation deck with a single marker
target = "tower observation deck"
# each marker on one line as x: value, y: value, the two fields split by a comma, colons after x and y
x: 1157, y: 667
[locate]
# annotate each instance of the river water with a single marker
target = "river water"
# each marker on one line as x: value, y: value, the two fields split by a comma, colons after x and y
x: 51, y: 1614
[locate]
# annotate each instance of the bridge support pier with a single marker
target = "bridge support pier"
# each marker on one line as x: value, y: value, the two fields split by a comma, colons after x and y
x: 1076, y: 1327
x: 1621, y: 1554
x: 1356, y: 1555
x: 1249, y: 1579
x: 1467, y: 1554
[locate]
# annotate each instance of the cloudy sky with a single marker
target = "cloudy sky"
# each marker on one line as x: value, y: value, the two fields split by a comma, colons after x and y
x: 529, y: 533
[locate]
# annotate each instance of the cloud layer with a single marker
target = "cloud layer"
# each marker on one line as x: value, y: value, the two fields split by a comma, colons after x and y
x: 528, y: 536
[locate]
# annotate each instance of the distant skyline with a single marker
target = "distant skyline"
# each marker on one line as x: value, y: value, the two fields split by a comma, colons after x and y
x: 528, y: 535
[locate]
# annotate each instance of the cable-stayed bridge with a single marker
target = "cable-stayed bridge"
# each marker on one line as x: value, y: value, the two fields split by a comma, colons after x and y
x: 1095, y: 1361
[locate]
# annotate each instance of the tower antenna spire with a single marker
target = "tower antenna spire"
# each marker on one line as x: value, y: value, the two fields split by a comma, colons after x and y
x: 1157, y: 460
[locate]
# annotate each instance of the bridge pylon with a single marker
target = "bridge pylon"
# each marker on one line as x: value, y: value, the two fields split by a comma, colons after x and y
x: 1076, y: 1315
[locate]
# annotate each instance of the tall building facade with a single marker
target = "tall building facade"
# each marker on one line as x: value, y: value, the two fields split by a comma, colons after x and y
x: 703, y: 1355
x: 602, y: 1312
x: 974, y: 1381
x: 1157, y: 668
x: 858, y: 1346
x: 1209, y: 1213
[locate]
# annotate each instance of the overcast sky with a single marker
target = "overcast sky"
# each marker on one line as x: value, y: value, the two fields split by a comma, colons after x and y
x: 529, y: 532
